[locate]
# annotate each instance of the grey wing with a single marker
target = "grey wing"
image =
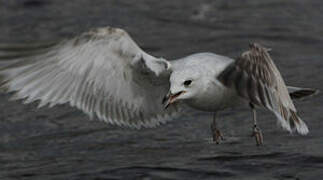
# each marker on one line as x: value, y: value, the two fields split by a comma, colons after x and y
x: 255, y: 77
x: 102, y: 72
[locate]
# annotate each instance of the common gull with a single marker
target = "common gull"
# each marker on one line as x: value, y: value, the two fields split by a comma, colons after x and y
x: 105, y: 74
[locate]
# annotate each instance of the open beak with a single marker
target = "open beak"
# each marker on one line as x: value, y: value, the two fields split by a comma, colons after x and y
x: 171, y: 98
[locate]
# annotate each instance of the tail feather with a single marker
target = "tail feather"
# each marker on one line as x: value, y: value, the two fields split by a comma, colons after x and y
x: 298, y: 92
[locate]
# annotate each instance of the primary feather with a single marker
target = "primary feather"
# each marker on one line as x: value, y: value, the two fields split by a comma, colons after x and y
x: 256, y: 78
x: 102, y: 72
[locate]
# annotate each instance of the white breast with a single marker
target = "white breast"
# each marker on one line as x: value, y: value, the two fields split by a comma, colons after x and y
x: 215, y: 97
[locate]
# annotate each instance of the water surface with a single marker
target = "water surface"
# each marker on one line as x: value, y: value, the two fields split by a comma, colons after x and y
x: 62, y: 143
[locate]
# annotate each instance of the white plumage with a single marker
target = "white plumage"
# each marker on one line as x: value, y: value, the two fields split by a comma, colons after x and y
x: 105, y: 74
x: 102, y: 72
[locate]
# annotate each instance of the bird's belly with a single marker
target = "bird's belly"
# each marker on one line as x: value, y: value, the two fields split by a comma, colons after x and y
x: 216, y: 98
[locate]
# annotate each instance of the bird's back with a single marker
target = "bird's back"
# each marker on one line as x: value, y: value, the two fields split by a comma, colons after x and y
x: 213, y: 62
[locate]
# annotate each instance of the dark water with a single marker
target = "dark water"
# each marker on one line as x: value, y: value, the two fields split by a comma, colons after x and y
x: 61, y: 142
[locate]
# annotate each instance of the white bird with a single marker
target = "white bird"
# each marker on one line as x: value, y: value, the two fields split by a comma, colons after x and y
x: 104, y: 73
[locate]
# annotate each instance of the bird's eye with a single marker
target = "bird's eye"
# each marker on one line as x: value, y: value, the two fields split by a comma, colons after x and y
x: 187, y: 82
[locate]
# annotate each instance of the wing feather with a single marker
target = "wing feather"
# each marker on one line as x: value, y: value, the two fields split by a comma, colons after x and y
x: 256, y: 78
x: 102, y: 72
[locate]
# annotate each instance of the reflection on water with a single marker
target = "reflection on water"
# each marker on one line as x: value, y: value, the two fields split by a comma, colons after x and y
x: 61, y: 143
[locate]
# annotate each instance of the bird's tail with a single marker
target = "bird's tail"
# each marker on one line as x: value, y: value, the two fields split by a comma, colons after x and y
x: 299, y: 92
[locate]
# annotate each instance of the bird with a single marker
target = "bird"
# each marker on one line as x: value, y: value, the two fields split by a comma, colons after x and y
x: 104, y: 73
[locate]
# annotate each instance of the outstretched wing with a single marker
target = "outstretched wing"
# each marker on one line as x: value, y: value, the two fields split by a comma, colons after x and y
x: 256, y: 78
x: 102, y: 72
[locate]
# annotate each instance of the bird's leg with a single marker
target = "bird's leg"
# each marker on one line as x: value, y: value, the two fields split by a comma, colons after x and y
x: 256, y: 131
x: 216, y: 133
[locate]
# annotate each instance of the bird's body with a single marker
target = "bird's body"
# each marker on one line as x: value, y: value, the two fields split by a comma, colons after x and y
x: 104, y: 73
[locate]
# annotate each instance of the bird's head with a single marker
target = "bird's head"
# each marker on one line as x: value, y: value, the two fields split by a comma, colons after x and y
x: 184, y: 85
